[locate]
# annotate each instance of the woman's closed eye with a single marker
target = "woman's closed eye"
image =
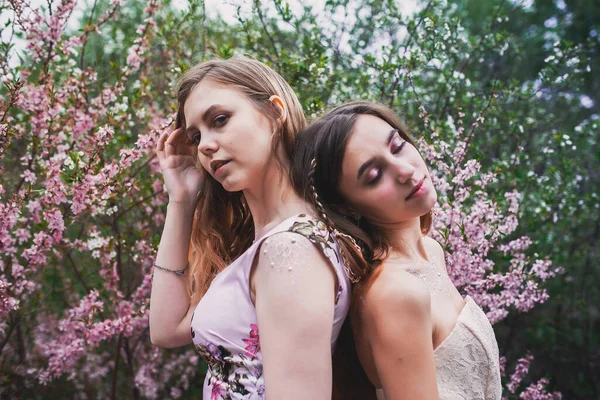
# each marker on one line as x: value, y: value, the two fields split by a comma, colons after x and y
x: 373, y: 176
x: 397, y: 145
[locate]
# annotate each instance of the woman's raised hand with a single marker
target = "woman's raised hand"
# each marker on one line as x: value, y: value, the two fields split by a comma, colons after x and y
x: 178, y: 164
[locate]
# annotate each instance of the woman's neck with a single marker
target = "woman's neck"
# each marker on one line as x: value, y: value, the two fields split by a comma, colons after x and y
x: 273, y: 201
x: 406, y: 240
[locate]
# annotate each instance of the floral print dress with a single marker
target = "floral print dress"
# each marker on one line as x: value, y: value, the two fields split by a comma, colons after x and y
x: 224, y: 324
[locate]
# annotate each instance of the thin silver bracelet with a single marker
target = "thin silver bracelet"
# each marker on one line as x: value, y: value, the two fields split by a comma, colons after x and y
x: 178, y: 272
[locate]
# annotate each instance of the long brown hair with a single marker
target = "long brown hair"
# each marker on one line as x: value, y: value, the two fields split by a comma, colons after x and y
x: 223, y: 227
x: 316, y: 172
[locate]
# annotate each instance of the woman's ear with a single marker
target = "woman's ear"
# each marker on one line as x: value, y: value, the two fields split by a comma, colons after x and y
x: 279, y: 103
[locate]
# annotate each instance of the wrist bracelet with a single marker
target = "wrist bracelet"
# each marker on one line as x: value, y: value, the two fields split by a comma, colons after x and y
x: 178, y: 272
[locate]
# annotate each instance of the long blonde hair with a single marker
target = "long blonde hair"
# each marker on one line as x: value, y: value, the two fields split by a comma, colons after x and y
x: 223, y: 227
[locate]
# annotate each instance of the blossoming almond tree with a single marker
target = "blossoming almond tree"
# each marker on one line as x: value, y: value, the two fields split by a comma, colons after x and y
x: 82, y: 203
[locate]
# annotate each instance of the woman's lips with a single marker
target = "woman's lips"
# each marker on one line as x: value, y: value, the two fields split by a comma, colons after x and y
x: 418, y: 190
x: 218, y: 167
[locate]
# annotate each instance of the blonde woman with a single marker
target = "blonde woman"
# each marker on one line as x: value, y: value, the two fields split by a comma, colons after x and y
x: 243, y: 271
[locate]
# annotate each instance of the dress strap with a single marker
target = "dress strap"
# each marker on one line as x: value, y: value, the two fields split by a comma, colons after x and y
x: 317, y: 232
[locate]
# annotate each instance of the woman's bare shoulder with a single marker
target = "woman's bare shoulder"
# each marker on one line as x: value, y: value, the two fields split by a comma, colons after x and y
x: 437, y: 251
x: 433, y: 245
x: 394, y: 291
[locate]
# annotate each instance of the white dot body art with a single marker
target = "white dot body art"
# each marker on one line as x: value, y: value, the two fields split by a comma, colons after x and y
x: 433, y: 278
x: 285, y: 254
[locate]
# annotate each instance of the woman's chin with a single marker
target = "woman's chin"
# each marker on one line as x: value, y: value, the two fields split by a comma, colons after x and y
x: 430, y: 203
x: 231, y: 185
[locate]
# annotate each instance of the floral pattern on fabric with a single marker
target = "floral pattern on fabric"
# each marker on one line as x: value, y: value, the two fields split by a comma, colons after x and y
x: 235, y: 377
x: 253, y: 342
x: 224, y: 325
x: 467, y: 361
x: 317, y: 232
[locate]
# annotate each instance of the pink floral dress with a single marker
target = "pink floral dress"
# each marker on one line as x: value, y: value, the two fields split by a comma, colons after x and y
x: 224, y: 325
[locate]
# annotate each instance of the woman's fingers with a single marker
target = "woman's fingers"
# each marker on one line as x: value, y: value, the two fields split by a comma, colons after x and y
x: 160, y: 144
x: 176, y: 137
x: 171, y: 142
x: 176, y: 143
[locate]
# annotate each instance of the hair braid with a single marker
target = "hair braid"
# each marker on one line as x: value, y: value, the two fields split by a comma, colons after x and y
x: 344, y: 238
x: 315, y: 196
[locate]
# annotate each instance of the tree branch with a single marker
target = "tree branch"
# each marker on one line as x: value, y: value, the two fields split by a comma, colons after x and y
x: 113, y: 390
x: 264, y: 25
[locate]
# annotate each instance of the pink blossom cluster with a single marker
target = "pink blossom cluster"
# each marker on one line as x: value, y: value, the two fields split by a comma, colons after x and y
x: 140, y: 46
x: 535, y: 391
x: 474, y: 224
x: 79, y: 334
x: 44, y: 32
x: 7, y: 303
x: 76, y: 189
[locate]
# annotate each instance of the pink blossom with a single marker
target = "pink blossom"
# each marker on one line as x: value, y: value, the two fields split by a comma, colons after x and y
x: 133, y: 57
x: 104, y: 134
x: 146, y: 143
x: 537, y: 391
x: 28, y: 176
x: 55, y: 220
x: 513, y: 199
x: 83, y: 124
x: 22, y: 235
x: 7, y: 303
x: 145, y: 382
x: 521, y: 370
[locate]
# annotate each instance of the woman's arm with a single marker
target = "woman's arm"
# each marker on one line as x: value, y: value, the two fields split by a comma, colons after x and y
x: 170, y: 308
x: 397, y: 322
x: 295, y: 309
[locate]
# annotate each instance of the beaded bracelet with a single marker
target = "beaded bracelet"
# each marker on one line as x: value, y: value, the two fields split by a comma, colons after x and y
x: 178, y: 272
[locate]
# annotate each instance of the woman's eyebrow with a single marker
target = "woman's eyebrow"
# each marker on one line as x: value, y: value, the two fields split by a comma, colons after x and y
x: 206, y: 117
x: 390, y: 136
x: 210, y: 111
x: 370, y: 161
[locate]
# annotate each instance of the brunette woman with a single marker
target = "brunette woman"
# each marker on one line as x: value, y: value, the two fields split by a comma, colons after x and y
x: 416, y: 337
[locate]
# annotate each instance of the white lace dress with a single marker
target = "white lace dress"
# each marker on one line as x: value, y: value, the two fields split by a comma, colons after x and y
x: 467, y: 361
